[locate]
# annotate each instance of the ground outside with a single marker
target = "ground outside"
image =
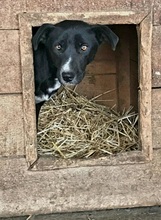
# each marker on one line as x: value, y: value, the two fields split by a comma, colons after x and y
x: 147, y: 213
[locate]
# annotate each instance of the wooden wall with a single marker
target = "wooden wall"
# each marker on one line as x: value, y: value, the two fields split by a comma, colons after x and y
x: 115, y: 72
x: 27, y: 192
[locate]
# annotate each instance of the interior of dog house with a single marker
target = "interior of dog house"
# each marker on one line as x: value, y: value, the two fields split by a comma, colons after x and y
x: 97, y: 143
x: 72, y: 126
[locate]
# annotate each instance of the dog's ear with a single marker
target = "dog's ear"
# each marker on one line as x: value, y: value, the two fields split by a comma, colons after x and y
x: 41, y: 35
x: 104, y: 33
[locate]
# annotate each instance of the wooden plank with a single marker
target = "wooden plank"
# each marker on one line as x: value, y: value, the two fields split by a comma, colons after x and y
x: 123, y: 68
x: 102, y: 67
x: 11, y: 126
x: 26, y: 21
x: 94, y: 85
x: 10, y: 76
x: 157, y: 12
x: 105, y: 52
x: 28, y: 93
x: 145, y: 83
x: 78, y: 189
x: 156, y: 117
x: 156, y: 137
x: 90, y: 5
x: 102, y: 17
x: 69, y: 5
x: 156, y: 64
x: 8, y: 13
x: 50, y: 163
x: 134, y: 74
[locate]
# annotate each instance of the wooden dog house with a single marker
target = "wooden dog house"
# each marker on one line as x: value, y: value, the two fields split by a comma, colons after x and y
x: 32, y: 185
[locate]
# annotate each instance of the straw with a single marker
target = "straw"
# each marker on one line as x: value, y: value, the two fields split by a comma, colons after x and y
x: 71, y: 126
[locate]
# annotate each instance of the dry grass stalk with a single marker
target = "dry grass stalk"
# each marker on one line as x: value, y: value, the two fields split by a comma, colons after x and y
x: 71, y: 126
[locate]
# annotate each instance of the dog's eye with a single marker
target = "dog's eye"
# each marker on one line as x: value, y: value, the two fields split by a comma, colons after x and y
x: 58, y: 47
x: 84, y: 47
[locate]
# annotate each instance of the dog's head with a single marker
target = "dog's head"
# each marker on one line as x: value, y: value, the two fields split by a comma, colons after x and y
x: 71, y: 45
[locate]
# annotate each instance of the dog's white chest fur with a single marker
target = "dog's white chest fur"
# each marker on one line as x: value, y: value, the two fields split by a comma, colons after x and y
x: 46, y: 96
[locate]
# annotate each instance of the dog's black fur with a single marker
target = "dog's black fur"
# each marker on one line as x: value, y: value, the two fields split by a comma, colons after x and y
x: 62, y: 52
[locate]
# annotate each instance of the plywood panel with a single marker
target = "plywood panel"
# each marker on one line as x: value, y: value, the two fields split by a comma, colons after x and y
x: 82, y: 5
x: 10, y: 76
x: 156, y: 56
x: 11, y: 126
x: 156, y: 117
x: 78, y: 189
x: 105, y: 52
x: 157, y: 12
x: 90, y: 5
x: 8, y: 13
x: 145, y: 85
x: 94, y: 85
x: 123, y: 68
x: 102, y: 67
x: 134, y: 72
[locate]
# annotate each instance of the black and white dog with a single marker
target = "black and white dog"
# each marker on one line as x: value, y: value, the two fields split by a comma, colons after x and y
x: 62, y: 52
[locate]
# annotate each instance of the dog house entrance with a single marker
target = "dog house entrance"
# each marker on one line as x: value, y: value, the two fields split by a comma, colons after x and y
x: 115, y: 79
x: 73, y: 127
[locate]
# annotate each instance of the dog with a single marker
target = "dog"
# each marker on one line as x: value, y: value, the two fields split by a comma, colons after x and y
x: 61, y: 53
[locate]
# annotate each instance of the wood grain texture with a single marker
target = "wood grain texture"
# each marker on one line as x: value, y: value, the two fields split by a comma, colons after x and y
x: 26, y: 21
x: 88, y: 5
x: 157, y: 12
x: 10, y: 75
x: 11, y: 126
x: 145, y: 129
x: 25, y: 192
x: 156, y: 117
x: 156, y: 57
x: 9, y: 11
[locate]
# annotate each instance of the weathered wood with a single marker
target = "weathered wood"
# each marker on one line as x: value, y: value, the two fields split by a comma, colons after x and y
x: 134, y: 73
x: 88, y: 5
x: 25, y: 192
x: 102, y: 67
x: 101, y: 77
x: 123, y: 69
x: 157, y: 12
x: 103, y: 17
x: 94, y: 85
x: 156, y: 117
x: 105, y: 52
x: 28, y: 93
x: 156, y: 54
x: 10, y: 76
x: 8, y: 13
x: 11, y: 126
x: 145, y: 129
x: 26, y: 21
x: 49, y: 163
x: 9, y: 9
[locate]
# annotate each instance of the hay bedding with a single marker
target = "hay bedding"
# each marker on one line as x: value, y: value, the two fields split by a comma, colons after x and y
x: 71, y: 126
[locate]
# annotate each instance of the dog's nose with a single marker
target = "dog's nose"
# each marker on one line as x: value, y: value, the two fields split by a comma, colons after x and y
x: 68, y: 76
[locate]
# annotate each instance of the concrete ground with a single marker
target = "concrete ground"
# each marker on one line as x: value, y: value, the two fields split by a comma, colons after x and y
x: 148, y: 213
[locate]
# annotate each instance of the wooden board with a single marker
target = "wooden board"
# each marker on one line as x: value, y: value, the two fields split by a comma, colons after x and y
x: 96, y: 84
x: 27, y: 21
x: 156, y: 54
x: 10, y: 75
x: 157, y: 12
x: 81, y: 6
x: 8, y: 13
x: 11, y: 126
x: 24, y: 192
x: 156, y: 117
